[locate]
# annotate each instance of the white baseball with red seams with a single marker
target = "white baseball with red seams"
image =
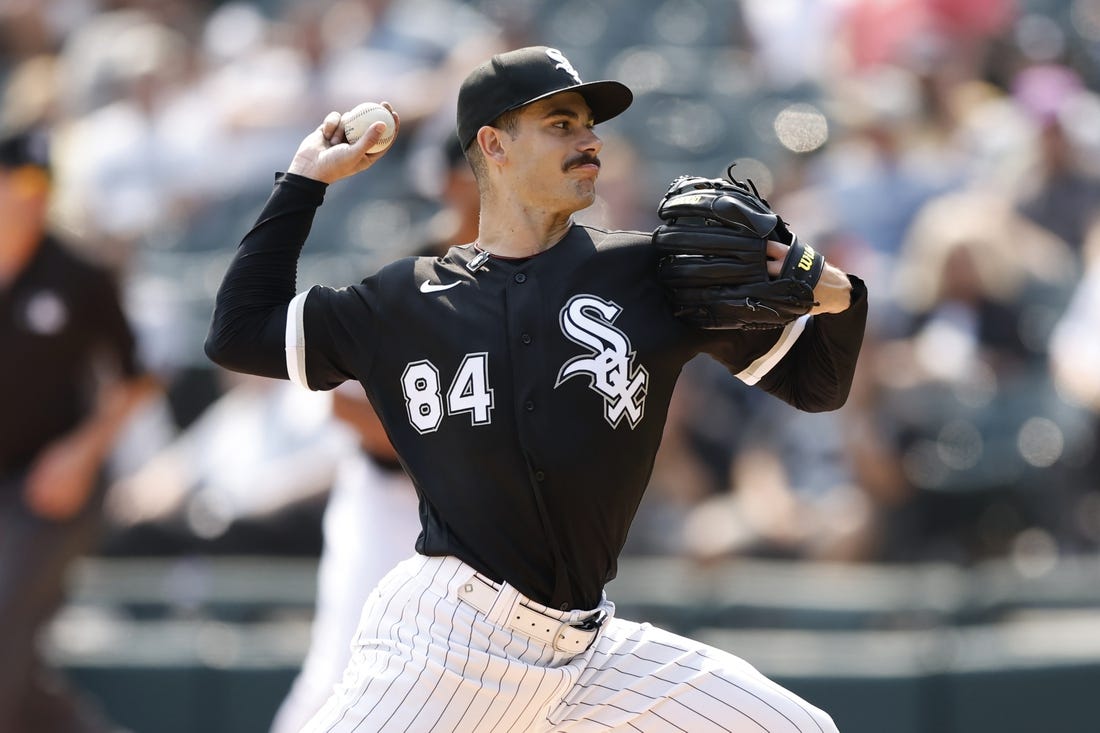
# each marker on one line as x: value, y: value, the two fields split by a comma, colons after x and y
x: 359, y: 119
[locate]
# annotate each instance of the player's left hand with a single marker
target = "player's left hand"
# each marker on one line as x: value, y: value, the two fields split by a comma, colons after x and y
x: 324, y: 155
x: 727, y: 261
x: 833, y: 291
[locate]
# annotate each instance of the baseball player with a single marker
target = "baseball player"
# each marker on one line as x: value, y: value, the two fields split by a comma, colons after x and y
x: 524, y: 380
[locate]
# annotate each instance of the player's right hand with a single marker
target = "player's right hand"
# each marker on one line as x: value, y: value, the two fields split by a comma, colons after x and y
x: 326, y: 156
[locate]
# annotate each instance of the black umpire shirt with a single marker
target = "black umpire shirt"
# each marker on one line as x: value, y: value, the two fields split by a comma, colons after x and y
x: 525, y: 397
x: 60, y: 319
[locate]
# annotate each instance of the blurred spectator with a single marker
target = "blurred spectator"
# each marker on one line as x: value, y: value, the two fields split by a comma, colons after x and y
x: 775, y: 28
x: 69, y: 384
x: 370, y: 524
x: 30, y: 94
x: 261, y: 454
x: 455, y: 223
x: 877, y: 171
x: 965, y: 406
x: 29, y: 28
x: 969, y: 251
x: 126, y: 83
x: 1075, y: 367
x: 791, y: 494
x: 889, y: 31
x: 1074, y: 346
x: 1062, y: 191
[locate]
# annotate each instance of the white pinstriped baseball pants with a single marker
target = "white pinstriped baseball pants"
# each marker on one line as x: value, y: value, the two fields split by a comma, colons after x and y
x: 423, y: 660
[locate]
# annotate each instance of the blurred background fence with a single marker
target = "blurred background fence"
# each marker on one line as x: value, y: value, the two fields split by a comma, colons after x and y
x: 212, y: 644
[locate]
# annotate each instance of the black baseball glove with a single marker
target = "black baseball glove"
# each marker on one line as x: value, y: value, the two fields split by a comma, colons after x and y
x: 714, y: 261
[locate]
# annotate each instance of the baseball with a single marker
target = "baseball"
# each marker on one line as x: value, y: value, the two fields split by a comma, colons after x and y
x: 362, y: 117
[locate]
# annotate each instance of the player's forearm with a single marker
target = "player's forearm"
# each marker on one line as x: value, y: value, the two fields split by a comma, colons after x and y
x: 249, y: 322
x: 833, y: 292
x: 816, y: 376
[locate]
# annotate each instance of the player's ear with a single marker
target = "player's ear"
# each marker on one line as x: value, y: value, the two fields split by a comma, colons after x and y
x: 491, y: 141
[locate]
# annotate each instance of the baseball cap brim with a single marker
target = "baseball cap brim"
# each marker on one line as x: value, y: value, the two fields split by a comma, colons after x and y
x: 606, y: 99
x: 518, y: 78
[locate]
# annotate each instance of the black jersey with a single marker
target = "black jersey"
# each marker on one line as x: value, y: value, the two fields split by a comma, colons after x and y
x: 526, y: 397
x: 60, y: 321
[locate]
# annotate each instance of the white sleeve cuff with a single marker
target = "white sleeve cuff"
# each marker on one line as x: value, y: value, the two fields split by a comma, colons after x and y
x: 296, y: 340
x: 756, y: 371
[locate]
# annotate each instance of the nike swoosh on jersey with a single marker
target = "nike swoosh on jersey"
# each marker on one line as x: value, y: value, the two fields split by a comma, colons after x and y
x: 429, y: 287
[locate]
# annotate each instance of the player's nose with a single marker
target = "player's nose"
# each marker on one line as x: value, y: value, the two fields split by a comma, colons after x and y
x: 590, y: 141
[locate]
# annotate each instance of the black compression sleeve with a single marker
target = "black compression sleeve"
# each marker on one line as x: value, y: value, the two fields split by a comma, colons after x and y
x: 247, y: 331
x: 816, y: 375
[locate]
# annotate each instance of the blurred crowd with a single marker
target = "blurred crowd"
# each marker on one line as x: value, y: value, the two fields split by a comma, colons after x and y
x: 948, y: 151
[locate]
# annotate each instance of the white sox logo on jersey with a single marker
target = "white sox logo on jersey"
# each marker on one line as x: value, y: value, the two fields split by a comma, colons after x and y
x: 563, y: 63
x: 587, y: 320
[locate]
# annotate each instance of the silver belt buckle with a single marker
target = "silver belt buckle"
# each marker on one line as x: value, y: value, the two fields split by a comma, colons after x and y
x: 569, y: 636
x: 593, y: 622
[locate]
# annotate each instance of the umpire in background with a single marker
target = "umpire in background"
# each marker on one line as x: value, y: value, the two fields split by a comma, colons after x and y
x: 69, y: 379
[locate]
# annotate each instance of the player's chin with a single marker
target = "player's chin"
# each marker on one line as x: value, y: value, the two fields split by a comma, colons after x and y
x: 585, y: 196
x: 584, y: 182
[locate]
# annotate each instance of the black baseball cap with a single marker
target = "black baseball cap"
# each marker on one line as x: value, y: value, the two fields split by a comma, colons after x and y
x: 515, y: 78
x: 23, y: 148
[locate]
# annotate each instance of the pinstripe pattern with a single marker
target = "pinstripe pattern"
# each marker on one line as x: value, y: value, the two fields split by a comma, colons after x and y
x: 643, y: 678
x: 424, y: 661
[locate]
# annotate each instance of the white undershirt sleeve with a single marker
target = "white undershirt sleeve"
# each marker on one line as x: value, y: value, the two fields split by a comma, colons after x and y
x: 296, y: 340
x: 756, y: 371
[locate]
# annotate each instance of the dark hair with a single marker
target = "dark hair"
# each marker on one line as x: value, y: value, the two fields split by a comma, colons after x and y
x: 507, y: 122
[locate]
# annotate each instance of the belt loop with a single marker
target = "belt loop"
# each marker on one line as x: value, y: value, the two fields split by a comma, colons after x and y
x: 505, y: 600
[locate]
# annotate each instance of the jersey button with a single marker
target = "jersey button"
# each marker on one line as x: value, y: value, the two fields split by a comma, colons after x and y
x: 520, y: 277
x: 529, y: 406
x: 525, y: 338
x: 540, y: 476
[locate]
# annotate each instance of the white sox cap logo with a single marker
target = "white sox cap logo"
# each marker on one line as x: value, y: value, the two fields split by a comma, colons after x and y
x: 586, y: 320
x: 563, y: 63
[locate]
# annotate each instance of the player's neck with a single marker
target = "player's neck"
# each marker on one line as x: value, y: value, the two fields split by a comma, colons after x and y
x: 511, y: 231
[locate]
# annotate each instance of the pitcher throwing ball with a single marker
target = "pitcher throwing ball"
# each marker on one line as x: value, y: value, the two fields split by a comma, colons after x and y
x: 524, y: 380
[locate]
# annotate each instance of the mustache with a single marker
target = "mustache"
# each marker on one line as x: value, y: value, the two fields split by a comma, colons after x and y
x: 582, y: 159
